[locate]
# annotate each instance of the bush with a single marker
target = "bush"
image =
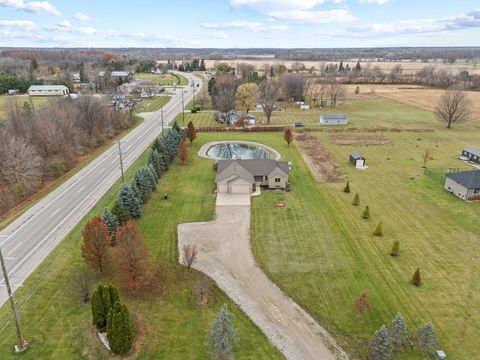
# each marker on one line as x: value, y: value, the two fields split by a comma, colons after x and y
x: 56, y: 167
x: 347, y: 188
x: 120, y: 330
x: 366, y: 213
x: 395, y: 249
x: 102, y: 301
x: 417, y: 279
x: 197, y: 107
x: 379, y: 229
x: 193, y: 111
x: 356, y: 200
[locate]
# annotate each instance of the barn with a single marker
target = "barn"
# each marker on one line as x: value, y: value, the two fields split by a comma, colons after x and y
x: 48, y: 90
x: 333, y: 119
x: 472, y: 155
x: 357, y: 160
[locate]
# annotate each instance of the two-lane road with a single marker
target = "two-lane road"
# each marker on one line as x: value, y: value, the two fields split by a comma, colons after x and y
x: 28, y: 240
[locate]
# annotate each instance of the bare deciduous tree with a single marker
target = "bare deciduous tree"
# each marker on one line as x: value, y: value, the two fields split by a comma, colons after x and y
x: 189, y: 255
x: 453, y: 107
x: 202, y: 289
x: 337, y: 92
x: 267, y: 96
x: 293, y: 86
x: 226, y: 94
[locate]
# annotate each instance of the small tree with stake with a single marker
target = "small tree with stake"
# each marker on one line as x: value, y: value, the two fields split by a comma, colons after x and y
x: 379, y: 229
x: 288, y: 136
x: 191, y: 132
x: 222, y: 335
x: 362, y: 303
x: 189, y: 255
x: 417, y: 279
x: 366, y: 213
x: 356, y: 200
x: 346, y: 189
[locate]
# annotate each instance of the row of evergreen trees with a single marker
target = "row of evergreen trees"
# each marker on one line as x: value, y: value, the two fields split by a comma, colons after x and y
x: 111, y: 316
x: 131, y: 198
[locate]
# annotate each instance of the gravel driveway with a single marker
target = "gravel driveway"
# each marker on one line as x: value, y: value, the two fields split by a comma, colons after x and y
x: 224, y: 254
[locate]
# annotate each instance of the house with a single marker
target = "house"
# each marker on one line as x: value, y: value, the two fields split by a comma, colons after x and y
x: 333, y: 119
x: 464, y: 184
x: 48, y: 90
x: 117, y: 75
x: 357, y: 160
x: 235, y: 116
x: 243, y: 176
x: 472, y: 155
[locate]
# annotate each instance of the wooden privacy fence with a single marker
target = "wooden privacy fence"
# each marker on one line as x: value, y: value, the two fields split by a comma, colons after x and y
x: 247, y: 129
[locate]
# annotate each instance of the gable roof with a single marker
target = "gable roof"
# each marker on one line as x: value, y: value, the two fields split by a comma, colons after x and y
x: 470, y: 179
x: 356, y: 156
x: 472, y: 151
x: 248, y: 169
x: 47, y: 87
x: 334, y: 116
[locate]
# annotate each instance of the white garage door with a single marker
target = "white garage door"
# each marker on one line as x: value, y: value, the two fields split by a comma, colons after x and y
x: 360, y: 163
x: 240, y: 189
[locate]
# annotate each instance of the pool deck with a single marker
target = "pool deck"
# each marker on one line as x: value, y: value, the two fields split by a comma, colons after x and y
x: 205, y: 147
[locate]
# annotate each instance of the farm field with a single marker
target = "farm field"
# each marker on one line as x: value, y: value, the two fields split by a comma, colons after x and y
x: 173, y: 324
x: 163, y: 79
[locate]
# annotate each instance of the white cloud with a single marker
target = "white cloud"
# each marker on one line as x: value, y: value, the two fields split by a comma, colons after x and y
x: 244, y: 25
x: 83, y: 17
x: 65, y: 24
x: 37, y: 7
x: 218, y: 35
x: 378, y: 2
x: 320, y: 17
x: 18, y: 24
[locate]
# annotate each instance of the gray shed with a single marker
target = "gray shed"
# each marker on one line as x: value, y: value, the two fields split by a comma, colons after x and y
x: 357, y: 160
x: 333, y: 119
x: 472, y: 154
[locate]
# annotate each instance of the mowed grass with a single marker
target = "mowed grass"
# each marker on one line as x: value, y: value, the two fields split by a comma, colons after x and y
x: 173, y: 325
x: 163, y: 79
x: 152, y: 104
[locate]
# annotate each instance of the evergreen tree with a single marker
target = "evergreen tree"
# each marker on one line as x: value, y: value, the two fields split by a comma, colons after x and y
x: 222, y: 335
x: 366, y: 213
x: 347, y: 187
x: 138, y: 193
x: 398, y: 332
x: 121, y: 213
x: 417, y: 279
x: 102, y: 301
x: 395, y: 248
x: 128, y: 199
x: 341, y: 68
x: 120, y: 331
x: 426, y: 340
x: 356, y: 200
x: 155, y: 161
x: 358, y: 67
x: 141, y: 186
x: 111, y: 220
x: 380, y: 347
x: 379, y: 229
x: 153, y: 176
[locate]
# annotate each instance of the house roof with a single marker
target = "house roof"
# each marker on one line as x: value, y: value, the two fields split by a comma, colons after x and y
x: 334, y: 116
x: 115, y: 73
x: 356, y: 155
x: 47, y: 87
x: 248, y: 169
x: 472, y: 151
x: 470, y: 179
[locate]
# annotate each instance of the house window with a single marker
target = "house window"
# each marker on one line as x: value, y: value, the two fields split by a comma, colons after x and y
x: 476, y: 191
x: 277, y: 180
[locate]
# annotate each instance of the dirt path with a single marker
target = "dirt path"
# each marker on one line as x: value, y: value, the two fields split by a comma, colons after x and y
x: 225, y: 255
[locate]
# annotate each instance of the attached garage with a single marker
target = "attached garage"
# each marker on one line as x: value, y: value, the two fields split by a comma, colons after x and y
x: 239, y: 186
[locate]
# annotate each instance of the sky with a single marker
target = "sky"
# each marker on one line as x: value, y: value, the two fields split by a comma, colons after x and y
x: 239, y: 23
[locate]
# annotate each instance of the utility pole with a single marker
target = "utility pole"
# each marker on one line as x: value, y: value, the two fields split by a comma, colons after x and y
x: 161, y: 111
x: 183, y: 110
x: 121, y: 160
x: 22, y: 343
x: 193, y: 95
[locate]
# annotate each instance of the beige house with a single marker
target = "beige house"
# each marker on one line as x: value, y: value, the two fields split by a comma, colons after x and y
x: 244, y: 176
x: 464, y: 184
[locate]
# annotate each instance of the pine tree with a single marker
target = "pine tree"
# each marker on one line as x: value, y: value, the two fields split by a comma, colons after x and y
x: 366, y: 213
x: 398, y: 332
x: 379, y: 229
x: 417, y: 279
x: 120, y: 331
x: 222, y: 335
x: 141, y: 185
x: 152, y: 174
x: 111, y: 220
x: 120, y: 212
x: 128, y: 199
x: 356, y: 200
x: 149, y: 179
x: 341, y: 68
x: 426, y: 340
x: 380, y: 347
x: 347, y: 187
x: 395, y: 248
x: 154, y: 160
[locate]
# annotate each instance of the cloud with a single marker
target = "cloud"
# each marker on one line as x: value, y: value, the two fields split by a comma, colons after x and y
x: 83, y: 17
x: 378, y: 2
x: 218, y: 35
x: 244, y: 25
x: 18, y: 24
x: 281, y: 5
x: 36, y: 7
x: 319, y: 17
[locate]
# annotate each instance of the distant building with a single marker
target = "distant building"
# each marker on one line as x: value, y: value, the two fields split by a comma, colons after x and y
x: 357, y: 160
x: 333, y: 119
x: 48, y: 90
x: 464, y: 184
x: 13, y: 92
x: 234, y: 117
x: 117, y: 75
x: 472, y: 155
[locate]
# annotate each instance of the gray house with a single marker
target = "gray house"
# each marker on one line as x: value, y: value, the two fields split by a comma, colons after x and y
x: 333, y: 119
x: 464, y: 184
x: 240, y: 176
x: 472, y: 155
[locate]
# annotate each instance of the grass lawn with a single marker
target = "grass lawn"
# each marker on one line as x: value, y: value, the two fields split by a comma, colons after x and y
x: 36, y: 101
x: 174, y: 325
x: 164, y: 79
x: 152, y: 104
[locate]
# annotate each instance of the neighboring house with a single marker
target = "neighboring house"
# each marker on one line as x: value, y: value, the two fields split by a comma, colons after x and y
x: 117, y: 75
x: 333, y: 119
x: 48, y: 90
x: 464, y: 184
x: 472, y: 155
x: 235, y: 116
x: 357, y: 160
x: 240, y: 176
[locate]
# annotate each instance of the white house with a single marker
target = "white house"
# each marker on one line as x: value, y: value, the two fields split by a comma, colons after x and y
x: 333, y: 119
x: 48, y: 90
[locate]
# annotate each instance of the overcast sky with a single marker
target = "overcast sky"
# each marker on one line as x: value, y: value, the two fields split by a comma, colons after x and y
x: 239, y: 23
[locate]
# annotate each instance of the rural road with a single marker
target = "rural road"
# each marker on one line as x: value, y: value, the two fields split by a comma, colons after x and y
x: 27, y: 241
x: 224, y: 254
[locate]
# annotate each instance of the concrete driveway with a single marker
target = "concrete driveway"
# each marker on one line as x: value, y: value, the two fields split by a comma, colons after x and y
x: 224, y: 254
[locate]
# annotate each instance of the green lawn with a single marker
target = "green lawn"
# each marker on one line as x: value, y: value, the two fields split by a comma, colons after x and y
x: 152, y: 104
x: 173, y: 326
x: 164, y: 79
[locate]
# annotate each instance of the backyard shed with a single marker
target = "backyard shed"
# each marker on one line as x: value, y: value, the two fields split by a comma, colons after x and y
x: 357, y: 160
x: 472, y: 155
x: 333, y: 119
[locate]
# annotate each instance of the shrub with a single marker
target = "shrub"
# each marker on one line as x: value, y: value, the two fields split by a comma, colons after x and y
x: 56, y: 167
x: 120, y: 330
x: 193, y: 111
x: 356, y: 200
x: 379, y: 229
x: 347, y: 188
x: 417, y: 279
x: 395, y: 248
x: 102, y: 301
x: 362, y: 303
x: 366, y: 213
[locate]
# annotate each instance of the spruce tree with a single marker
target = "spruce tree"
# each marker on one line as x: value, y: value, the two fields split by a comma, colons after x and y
x: 366, y: 213
x: 380, y: 347
x: 222, y: 335
x: 347, y: 187
x: 111, y: 220
x: 128, y: 199
x: 426, y: 340
x: 149, y: 180
x: 121, y: 213
x: 395, y: 248
x: 141, y: 186
x: 417, y: 279
x: 398, y: 332
x: 379, y: 229
x: 120, y: 331
x: 154, y: 160
x: 356, y: 200
x: 138, y: 192
x: 153, y: 176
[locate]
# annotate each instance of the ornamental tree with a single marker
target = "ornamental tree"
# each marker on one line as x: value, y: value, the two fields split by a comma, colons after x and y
x: 96, y: 244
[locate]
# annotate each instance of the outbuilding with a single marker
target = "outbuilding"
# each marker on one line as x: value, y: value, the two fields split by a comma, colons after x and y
x: 357, y: 160
x: 471, y: 154
x: 333, y: 119
x: 48, y: 90
x: 464, y: 184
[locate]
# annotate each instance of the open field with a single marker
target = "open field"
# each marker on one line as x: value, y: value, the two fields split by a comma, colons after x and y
x: 36, y: 101
x: 163, y: 79
x: 152, y: 104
